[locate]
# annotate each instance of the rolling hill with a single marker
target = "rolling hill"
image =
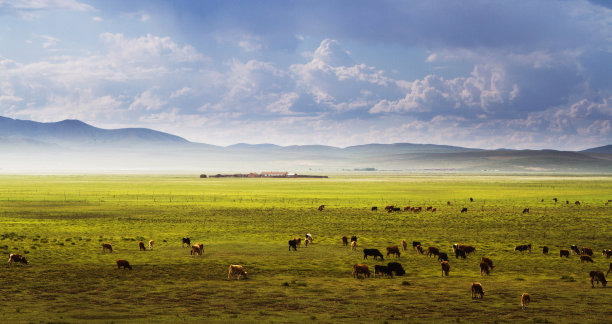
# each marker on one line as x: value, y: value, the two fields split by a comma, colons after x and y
x: 73, y: 146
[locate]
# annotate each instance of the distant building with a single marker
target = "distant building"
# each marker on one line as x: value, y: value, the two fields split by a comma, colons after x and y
x: 273, y: 174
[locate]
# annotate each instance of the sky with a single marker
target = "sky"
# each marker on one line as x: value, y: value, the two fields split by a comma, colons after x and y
x: 473, y: 73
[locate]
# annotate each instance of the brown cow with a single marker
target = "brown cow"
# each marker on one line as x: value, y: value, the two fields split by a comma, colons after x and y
x: 361, y: 269
x: 598, y: 276
x: 419, y: 249
x: 393, y: 250
x: 487, y: 261
x: 141, y: 245
x: 236, y: 270
x: 18, y: 258
x: 196, y: 249
x: 107, y: 246
x: 344, y: 241
x: 484, y: 268
x: 353, y: 245
x: 606, y: 253
x: 433, y: 210
x: 525, y: 300
x: 585, y: 258
x: 428, y: 208
x: 577, y: 203
x: 298, y: 241
x: 465, y: 248
x: 445, y: 268
x: 432, y: 251
x: 407, y: 208
x: 124, y: 264
x: 404, y: 245
x: 477, y: 290
x: 151, y: 242
x: 587, y: 251
x: 564, y: 253
x: 321, y: 207
x: 448, y: 203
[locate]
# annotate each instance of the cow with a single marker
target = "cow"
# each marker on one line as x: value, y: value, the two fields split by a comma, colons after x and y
x: 445, y: 268
x: 525, y: 300
x: 396, y: 209
x: 321, y: 207
x: 587, y: 251
x: 344, y: 241
x: 448, y: 203
x: 353, y: 245
x: 429, y: 208
x: 464, y: 210
x: 151, y: 242
x: 585, y: 258
x: 361, y: 269
x: 564, y: 253
x: 419, y: 249
x: 407, y: 208
x: 404, y: 245
x: 236, y: 270
x: 577, y: 203
x: 373, y: 252
x: 442, y: 256
x: 488, y: 261
x: 545, y: 249
x: 397, y: 268
x: 107, y: 246
x: 374, y: 208
x: 432, y: 251
x: 293, y: 244
x: 555, y: 199
x: 477, y: 290
x: 389, y: 207
x: 433, y: 210
x: 381, y: 270
x: 123, y: 264
x: 309, y: 237
x: 298, y: 241
x: 141, y: 245
x: 606, y: 253
x: 598, y: 276
x: 415, y: 243
x: 526, y: 211
x: 353, y: 238
x: 393, y: 250
x: 195, y: 250
x: 17, y: 258
x: 575, y: 249
x: 484, y: 268
x: 465, y: 248
x: 471, y: 199
x: 523, y: 247
x: 187, y: 241
x: 306, y: 242
x: 417, y: 209
x: 459, y: 254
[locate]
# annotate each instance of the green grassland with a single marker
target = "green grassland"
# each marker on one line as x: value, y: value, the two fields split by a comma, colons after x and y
x: 59, y: 223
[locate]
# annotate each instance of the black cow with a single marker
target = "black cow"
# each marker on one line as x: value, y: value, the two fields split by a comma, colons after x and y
x: 372, y: 252
x: 545, y: 249
x: 526, y: 211
x: 382, y: 270
x: 523, y: 247
x: 415, y: 243
x: 374, y: 208
x: 464, y: 210
x: 293, y: 244
x: 471, y: 199
x: 575, y: 249
x: 353, y: 238
x: 442, y: 256
x: 397, y: 268
x: 459, y: 253
x: 187, y: 241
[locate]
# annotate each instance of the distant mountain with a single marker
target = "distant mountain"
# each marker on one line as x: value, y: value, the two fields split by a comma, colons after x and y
x: 607, y: 149
x: 74, y: 132
x: 71, y: 146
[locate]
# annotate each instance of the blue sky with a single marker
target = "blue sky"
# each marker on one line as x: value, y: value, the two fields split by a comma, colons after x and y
x: 490, y: 74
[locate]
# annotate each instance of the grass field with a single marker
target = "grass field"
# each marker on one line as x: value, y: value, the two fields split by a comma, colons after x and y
x: 59, y: 223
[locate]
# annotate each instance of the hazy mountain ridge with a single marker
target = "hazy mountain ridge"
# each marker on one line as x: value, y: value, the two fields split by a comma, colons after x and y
x: 74, y: 146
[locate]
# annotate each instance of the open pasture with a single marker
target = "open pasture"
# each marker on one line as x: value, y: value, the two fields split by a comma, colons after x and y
x: 59, y: 223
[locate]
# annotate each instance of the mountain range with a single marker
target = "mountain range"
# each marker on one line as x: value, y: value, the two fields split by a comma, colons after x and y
x: 74, y: 146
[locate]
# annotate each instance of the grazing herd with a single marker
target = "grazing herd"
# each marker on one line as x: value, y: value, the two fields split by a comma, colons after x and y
x: 392, y: 268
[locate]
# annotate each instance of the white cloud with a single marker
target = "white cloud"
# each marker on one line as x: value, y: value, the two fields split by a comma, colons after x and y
x: 149, y: 46
x: 147, y: 101
x: 45, y: 5
x: 181, y: 92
